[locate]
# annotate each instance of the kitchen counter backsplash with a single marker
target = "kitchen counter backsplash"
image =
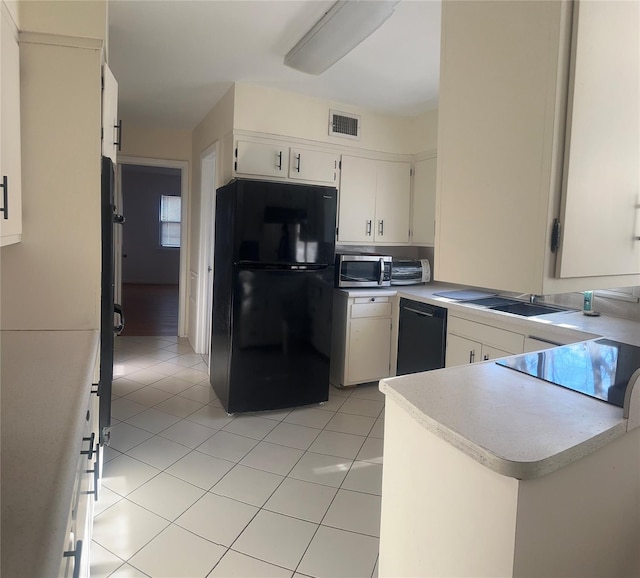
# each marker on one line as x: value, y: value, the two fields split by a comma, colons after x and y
x: 606, y: 306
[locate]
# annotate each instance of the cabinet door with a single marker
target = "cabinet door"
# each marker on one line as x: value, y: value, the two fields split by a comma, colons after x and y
x: 111, y: 130
x: 369, y: 357
x: 423, y: 214
x: 393, y: 195
x: 494, y: 148
x: 10, y: 162
x: 261, y: 159
x: 461, y: 351
x: 357, y: 200
x: 309, y: 165
x: 601, y: 219
x: 489, y: 352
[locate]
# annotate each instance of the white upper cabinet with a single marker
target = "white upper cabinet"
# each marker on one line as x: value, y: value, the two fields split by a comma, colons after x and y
x: 423, y: 211
x: 393, y: 200
x: 10, y: 147
x: 310, y: 165
x: 601, y: 213
x: 277, y: 160
x: 529, y: 124
x: 374, y: 201
x: 111, y: 127
x: 356, y: 212
x: 270, y: 160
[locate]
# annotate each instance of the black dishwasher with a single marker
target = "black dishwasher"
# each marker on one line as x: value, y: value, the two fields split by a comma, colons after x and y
x: 421, y: 337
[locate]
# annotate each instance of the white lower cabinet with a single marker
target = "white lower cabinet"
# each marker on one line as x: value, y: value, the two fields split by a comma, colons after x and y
x: 361, y: 341
x: 469, y: 341
x: 77, y: 546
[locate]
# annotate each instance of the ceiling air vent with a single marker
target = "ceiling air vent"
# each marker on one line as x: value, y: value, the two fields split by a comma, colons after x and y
x: 344, y: 125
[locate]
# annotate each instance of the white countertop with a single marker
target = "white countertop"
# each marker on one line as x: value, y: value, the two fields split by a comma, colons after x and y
x: 45, y: 379
x: 515, y: 424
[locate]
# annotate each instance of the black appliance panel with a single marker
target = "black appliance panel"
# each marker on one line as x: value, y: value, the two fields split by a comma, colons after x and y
x: 422, y: 334
x: 108, y: 308
x: 271, y: 330
x: 600, y: 368
x: 284, y: 223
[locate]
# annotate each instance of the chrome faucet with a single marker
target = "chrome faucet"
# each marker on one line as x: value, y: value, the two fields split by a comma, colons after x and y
x: 533, y: 298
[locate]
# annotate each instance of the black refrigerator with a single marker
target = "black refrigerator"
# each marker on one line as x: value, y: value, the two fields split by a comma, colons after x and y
x: 109, y: 310
x: 272, y: 294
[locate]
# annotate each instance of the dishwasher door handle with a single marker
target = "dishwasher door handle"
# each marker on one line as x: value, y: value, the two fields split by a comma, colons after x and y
x: 423, y: 313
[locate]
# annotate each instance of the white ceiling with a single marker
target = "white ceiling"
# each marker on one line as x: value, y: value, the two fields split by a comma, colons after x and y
x: 174, y: 59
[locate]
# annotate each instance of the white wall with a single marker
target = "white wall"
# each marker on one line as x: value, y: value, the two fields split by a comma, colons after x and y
x: 272, y: 111
x: 86, y: 19
x: 155, y: 142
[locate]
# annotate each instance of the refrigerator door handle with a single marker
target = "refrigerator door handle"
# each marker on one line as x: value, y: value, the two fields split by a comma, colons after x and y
x: 117, y: 309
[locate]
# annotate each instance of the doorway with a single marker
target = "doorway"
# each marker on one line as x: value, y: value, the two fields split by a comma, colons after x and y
x: 153, y: 247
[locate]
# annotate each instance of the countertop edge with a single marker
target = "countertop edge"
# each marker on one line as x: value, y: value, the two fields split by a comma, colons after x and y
x: 34, y: 529
x: 505, y: 467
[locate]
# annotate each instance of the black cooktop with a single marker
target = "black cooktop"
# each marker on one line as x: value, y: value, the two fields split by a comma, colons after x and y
x: 601, y: 368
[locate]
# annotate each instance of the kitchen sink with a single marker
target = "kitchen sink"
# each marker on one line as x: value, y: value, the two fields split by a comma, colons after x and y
x: 492, y: 301
x: 526, y: 309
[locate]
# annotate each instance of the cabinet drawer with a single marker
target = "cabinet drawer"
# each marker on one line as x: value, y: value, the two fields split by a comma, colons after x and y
x: 371, y: 300
x: 486, y: 334
x: 370, y: 310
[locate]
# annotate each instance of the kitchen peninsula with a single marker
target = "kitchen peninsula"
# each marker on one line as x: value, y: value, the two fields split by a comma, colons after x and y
x: 490, y: 472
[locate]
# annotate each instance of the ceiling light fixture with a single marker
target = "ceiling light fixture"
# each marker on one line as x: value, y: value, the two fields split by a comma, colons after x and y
x: 345, y: 25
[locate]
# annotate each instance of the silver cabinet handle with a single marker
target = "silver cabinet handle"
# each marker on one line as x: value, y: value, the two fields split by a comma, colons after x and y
x: 485, y: 358
x: 472, y: 356
x: 76, y: 555
x: 381, y: 227
x: 279, y: 164
x: 298, y: 159
x: 96, y: 478
x: 369, y: 223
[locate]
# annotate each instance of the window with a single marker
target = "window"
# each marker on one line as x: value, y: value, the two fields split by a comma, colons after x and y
x: 170, y: 208
x: 622, y: 293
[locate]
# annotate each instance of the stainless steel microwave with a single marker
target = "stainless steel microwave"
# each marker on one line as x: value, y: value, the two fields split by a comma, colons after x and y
x: 363, y: 270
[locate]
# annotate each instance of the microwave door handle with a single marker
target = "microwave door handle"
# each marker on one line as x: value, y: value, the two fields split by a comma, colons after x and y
x: 381, y: 276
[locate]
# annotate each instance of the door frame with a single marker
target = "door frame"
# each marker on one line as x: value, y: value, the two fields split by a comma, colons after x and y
x: 183, y: 166
x: 208, y: 186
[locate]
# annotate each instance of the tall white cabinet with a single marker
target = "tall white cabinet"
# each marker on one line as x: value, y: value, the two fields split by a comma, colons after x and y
x: 538, y: 135
x: 423, y: 206
x: 52, y: 282
x: 10, y: 148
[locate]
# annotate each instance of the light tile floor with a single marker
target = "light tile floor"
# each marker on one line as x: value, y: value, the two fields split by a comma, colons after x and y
x: 190, y: 492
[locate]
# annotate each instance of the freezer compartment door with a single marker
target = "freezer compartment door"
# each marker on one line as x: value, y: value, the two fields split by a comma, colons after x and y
x: 284, y: 223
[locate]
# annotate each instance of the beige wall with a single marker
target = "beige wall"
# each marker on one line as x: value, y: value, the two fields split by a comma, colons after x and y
x: 272, y: 111
x: 51, y: 280
x: 12, y: 6
x: 155, y: 143
x: 212, y: 128
x: 424, y: 132
x: 85, y: 18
